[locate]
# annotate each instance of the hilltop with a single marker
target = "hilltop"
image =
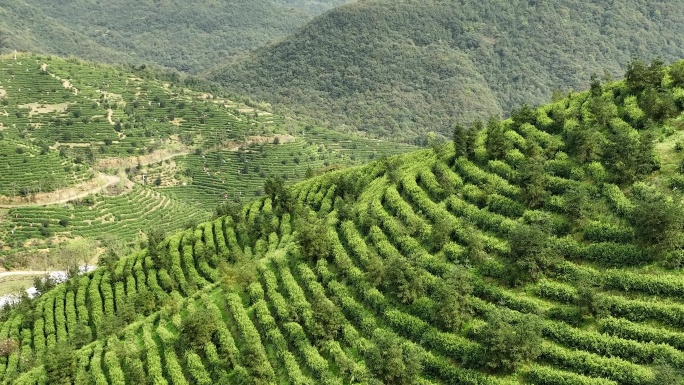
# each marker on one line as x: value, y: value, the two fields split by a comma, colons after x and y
x: 544, y: 249
x: 188, y: 36
x: 399, y: 69
x: 99, y: 153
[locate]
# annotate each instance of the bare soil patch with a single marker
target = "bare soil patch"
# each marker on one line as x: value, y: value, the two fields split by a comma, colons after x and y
x: 282, y: 139
x: 177, y: 121
x: 39, y: 108
x: 67, y: 85
x: 132, y: 161
x: 110, y: 113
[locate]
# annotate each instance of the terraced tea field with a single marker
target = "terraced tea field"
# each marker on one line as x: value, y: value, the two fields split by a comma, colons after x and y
x: 239, y: 175
x: 429, y: 268
x: 321, y: 321
x: 64, y: 121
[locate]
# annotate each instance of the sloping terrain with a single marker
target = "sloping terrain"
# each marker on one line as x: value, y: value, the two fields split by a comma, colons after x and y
x: 189, y: 36
x: 156, y: 154
x: 517, y: 253
x: 399, y: 69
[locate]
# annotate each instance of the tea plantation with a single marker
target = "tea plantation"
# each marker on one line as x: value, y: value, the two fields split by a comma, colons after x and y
x: 522, y: 252
x: 179, y: 153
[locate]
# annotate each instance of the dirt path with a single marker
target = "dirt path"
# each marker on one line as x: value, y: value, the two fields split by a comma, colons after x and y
x: 110, y: 113
x: 64, y: 195
x: 133, y: 161
x: 30, y: 272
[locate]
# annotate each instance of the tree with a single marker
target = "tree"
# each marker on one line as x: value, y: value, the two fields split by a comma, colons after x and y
x: 280, y: 196
x: 532, y: 181
x: 80, y: 336
x: 391, y: 361
x: 676, y: 72
x: 577, y: 203
x: 588, y: 301
x: 154, y: 238
x: 583, y: 141
x: 506, y: 346
x: 496, y: 143
x: 471, y: 138
x: 530, y: 254
x: 197, y: 329
x: 460, y: 141
x: 312, y: 237
x: 273, y: 187
x: 666, y: 374
x: 658, y: 105
x: 451, y: 298
x: 310, y: 172
x: 59, y: 364
x: 595, y: 87
x: 657, y: 222
x: 640, y: 76
x: 436, y: 143
x: 404, y: 280
x: 229, y: 209
x: 525, y: 114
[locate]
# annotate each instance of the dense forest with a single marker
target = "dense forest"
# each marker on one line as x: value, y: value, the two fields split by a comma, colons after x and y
x: 400, y: 69
x: 188, y: 36
x: 546, y: 248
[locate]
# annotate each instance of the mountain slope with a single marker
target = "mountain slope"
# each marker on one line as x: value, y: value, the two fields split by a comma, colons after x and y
x: 402, y: 68
x: 505, y: 258
x: 177, y: 34
x: 150, y: 153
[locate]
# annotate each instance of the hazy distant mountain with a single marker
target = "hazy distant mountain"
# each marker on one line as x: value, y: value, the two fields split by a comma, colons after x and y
x: 188, y: 35
x: 400, y: 68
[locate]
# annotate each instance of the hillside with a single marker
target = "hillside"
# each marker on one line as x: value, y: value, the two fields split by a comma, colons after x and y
x: 92, y: 151
x: 177, y: 34
x: 524, y: 252
x: 398, y: 69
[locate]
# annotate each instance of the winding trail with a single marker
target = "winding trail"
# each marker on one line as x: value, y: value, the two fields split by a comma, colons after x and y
x: 64, y: 195
x: 110, y: 113
x: 26, y: 272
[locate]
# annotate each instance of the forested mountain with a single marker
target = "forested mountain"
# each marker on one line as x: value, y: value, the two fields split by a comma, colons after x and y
x: 400, y: 68
x: 189, y: 36
x: 546, y: 248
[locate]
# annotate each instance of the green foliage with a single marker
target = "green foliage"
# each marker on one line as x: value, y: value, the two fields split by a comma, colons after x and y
x: 506, y: 346
x: 213, y: 34
x: 197, y: 329
x: 667, y: 375
x: 460, y: 137
x: 532, y: 180
x: 59, y: 364
x: 397, y: 272
x: 496, y: 143
x: 657, y: 222
x: 448, y: 62
x: 530, y: 253
x: 391, y: 361
x: 313, y: 238
x: 451, y: 300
